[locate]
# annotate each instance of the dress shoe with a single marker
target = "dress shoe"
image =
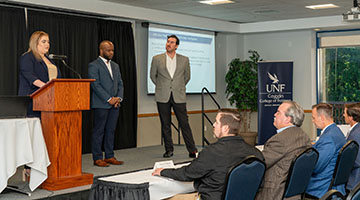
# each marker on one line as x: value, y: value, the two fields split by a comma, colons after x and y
x: 101, y: 163
x: 113, y: 161
x: 193, y: 154
x: 168, y: 154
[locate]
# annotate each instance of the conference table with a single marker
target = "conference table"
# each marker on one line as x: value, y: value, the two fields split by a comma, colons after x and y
x: 140, y: 185
x: 22, y: 143
x: 155, y: 187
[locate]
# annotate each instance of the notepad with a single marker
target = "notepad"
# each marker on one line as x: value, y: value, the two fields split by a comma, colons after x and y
x: 168, y: 164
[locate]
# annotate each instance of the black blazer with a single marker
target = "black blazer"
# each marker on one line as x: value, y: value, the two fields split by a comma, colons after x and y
x: 31, y: 70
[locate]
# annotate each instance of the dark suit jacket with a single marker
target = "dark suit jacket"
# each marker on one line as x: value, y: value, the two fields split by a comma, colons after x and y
x: 104, y: 86
x: 279, y: 151
x: 328, y: 146
x: 31, y: 70
x: 354, y: 178
x: 209, y: 169
x: 165, y: 84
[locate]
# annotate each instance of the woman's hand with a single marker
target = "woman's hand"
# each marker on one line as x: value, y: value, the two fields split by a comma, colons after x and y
x: 38, y: 83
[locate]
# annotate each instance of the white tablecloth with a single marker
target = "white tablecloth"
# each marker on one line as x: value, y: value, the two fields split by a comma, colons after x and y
x: 22, y: 142
x: 159, y: 187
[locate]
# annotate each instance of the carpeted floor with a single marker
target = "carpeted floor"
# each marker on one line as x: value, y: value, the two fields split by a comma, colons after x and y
x: 135, y: 159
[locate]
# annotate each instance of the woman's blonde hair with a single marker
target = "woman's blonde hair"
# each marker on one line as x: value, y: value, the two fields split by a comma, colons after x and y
x: 34, y: 41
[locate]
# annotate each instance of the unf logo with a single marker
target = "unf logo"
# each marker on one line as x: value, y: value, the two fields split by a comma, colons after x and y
x: 275, y: 86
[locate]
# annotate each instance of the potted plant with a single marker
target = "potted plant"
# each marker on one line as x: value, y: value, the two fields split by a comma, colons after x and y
x: 242, y: 90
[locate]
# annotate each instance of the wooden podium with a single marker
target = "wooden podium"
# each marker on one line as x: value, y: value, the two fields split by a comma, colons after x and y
x: 61, y: 102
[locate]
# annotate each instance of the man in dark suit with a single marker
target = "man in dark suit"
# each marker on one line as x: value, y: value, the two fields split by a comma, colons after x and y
x: 107, y: 93
x: 329, y: 144
x: 352, y: 117
x: 280, y: 150
x: 170, y: 72
x: 209, y: 169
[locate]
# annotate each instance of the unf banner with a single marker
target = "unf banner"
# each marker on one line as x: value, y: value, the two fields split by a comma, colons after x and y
x: 275, y: 83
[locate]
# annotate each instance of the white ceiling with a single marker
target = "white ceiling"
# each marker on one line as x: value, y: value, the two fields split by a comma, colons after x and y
x: 245, y: 11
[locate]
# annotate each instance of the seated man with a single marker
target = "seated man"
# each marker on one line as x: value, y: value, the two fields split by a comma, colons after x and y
x: 352, y: 117
x: 329, y: 144
x: 280, y: 150
x: 209, y: 169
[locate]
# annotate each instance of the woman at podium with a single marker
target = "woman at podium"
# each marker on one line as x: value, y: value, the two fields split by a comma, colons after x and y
x: 36, y: 68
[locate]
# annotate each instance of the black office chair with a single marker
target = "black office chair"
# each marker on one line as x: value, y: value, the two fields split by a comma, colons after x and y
x: 333, y: 195
x: 300, y: 172
x: 244, y: 179
x: 344, y: 163
x: 354, y: 193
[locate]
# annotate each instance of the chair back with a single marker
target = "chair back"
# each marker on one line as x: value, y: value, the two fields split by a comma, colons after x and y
x: 354, y: 194
x: 344, y: 163
x: 244, y: 179
x: 300, y: 172
x: 333, y: 195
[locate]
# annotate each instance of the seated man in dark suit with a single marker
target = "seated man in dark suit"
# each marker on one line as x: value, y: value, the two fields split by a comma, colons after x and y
x: 352, y: 117
x: 329, y: 144
x: 282, y: 148
x: 209, y: 169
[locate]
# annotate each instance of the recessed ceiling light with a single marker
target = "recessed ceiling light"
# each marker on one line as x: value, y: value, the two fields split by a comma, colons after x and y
x: 216, y: 2
x: 322, y: 6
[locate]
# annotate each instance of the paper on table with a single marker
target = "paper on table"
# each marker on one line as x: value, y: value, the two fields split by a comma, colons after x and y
x: 168, y: 164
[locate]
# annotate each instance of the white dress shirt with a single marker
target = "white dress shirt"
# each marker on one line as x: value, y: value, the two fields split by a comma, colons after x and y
x: 171, y: 65
x: 108, y: 65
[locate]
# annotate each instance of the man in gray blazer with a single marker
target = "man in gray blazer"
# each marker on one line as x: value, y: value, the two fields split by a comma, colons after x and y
x: 282, y: 148
x: 106, y: 95
x: 170, y: 72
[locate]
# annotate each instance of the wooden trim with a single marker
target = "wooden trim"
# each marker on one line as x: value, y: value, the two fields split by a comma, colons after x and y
x: 189, y: 112
x: 148, y: 115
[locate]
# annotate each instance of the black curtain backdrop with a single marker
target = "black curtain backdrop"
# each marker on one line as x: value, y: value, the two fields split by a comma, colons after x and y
x: 121, y: 34
x: 13, y: 40
x: 77, y: 37
x: 73, y: 36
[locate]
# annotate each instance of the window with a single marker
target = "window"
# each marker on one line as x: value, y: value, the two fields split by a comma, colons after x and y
x: 339, y: 74
x: 338, y: 69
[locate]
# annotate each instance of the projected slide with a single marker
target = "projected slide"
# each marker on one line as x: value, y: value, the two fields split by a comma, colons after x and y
x: 198, y: 46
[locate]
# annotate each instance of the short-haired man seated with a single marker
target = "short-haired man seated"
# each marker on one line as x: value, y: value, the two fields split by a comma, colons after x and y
x: 352, y: 117
x: 280, y: 150
x: 209, y: 169
x: 329, y: 144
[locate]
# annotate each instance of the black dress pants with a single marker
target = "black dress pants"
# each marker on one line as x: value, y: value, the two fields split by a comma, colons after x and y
x: 181, y: 115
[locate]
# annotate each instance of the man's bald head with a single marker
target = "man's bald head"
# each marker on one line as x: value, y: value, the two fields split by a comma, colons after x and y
x: 106, y: 49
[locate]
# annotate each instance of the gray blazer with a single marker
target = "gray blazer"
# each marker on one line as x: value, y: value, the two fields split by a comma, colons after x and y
x: 104, y: 86
x: 165, y: 84
x: 279, y: 151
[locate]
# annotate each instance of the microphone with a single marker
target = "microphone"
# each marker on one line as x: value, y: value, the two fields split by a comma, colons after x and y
x: 57, y: 57
x: 62, y: 57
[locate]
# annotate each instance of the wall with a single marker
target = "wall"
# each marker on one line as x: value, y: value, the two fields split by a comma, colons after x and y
x: 296, y: 46
x: 149, y: 126
x: 224, y: 53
